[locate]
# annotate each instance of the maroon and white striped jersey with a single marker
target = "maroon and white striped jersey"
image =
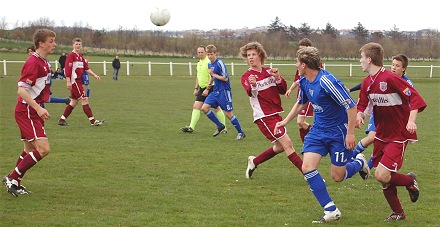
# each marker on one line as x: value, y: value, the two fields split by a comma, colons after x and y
x: 35, y: 78
x: 75, y: 66
x: 265, y: 96
x: 392, y: 98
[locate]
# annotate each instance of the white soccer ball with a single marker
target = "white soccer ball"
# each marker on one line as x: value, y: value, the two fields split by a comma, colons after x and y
x: 160, y: 17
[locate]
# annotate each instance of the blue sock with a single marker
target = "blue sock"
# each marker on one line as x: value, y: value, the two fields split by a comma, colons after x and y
x: 236, y: 124
x: 370, y: 162
x: 213, y: 118
x: 358, y: 149
x: 57, y: 100
x: 88, y: 92
x: 319, y: 189
x: 352, y: 168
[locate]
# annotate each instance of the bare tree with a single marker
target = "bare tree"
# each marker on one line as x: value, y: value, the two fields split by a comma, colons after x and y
x: 3, y: 24
x: 280, y: 41
x: 395, y: 34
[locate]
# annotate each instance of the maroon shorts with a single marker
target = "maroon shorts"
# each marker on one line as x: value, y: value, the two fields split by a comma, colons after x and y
x: 77, y: 91
x: 31, y: 125
x: 390, y: 155
x: 267, y: 126
x: 307, y: 111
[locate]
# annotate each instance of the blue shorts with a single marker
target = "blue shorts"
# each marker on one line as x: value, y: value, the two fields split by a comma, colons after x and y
x: 85, y: 78
x: 371, y: 127
x: 331, y: 141
x: 220, y: 98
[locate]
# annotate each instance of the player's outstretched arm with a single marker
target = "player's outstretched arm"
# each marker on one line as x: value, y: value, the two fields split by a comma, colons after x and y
x: 89, y: 71
x: 292, y: 114
x: 292, y: 87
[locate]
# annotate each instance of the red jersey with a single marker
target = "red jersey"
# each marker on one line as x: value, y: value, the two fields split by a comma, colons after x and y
x: 392, y: 99
x: 75, y: 66
x: 295, y: 79
x: 265, y: 97
x: 35, y: 78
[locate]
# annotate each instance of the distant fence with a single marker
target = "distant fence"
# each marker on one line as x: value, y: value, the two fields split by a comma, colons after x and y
x: 172, y: 68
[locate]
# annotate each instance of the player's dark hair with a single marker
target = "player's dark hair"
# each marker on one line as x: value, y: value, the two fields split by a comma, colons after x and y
x: 31, y: 48
x: 402, y: 58
x: 305, y: 42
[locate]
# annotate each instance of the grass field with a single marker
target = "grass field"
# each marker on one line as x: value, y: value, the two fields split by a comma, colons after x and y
x: 139, y: 169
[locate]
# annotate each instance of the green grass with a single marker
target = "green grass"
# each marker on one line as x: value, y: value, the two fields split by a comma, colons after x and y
x: 139, y: 169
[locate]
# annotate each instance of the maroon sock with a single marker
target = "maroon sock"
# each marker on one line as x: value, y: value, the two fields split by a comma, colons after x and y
x: 23, y: 154
x: 88, y: 112
x: 67, y: 112
x: 266, y: 155
x: 390, y: 194
x: 398, y: 179
x: 304, y: 132
x: 29, y: 160
x: 296, y: 160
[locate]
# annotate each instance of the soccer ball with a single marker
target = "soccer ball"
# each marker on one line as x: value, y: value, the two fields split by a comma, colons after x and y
x: 160, y: 17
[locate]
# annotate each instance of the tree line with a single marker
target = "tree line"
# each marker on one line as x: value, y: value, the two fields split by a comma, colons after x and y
x: 279, y: 40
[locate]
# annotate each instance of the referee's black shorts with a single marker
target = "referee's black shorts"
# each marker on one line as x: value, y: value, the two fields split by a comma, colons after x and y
x: 200, y: 97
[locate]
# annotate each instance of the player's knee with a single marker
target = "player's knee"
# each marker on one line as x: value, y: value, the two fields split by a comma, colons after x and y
x: 338, y: 174
x: 303, y: 125
x: 288, y: 145
x: 44, y: 151
x: 229, y: 115
x: 197, y: 105
x: 205, y: 108
x: 73, y: 102
x: 382, y: 178
x: 337, y: 177
x: 307, y: 167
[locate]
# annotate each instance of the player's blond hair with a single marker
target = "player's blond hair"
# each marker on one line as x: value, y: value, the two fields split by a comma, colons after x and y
x: 310, y: 57
x: 373, y: 51
x: 254, y: 46
x: 211, y: 49
x: 76, y: 39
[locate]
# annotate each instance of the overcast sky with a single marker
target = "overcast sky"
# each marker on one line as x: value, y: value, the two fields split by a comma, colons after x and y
x: 232, y: 14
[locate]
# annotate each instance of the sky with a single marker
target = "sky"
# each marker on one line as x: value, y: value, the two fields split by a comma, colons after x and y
x: 227, y: 14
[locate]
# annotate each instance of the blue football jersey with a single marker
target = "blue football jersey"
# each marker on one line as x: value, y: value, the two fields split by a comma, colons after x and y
x: 219, y: 68
x: 329, y: 97
x: 408, y: 80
